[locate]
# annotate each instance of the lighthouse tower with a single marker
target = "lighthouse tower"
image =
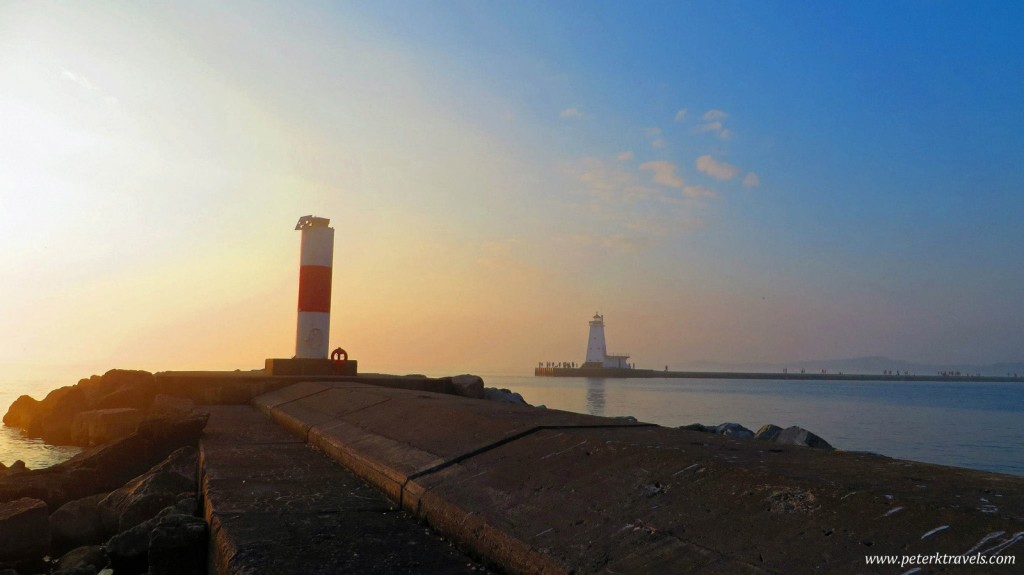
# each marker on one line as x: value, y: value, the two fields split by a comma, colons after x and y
x: 595, y: 343
x: 313, y: 328
x: 316, y: 260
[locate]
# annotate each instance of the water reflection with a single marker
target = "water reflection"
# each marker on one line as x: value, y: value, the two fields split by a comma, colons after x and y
x: 595, y: 396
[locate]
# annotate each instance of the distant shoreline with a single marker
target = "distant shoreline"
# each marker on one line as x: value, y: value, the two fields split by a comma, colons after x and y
x: 623, y: 373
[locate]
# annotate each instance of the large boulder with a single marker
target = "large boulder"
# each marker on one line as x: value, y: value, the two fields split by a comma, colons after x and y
x: 466, y: 385
x: 81, y: 558
x: 168, y: 432
x: 177, y: 546
x: 129, y: 550
x: 24, y: 530
x: 734, y: 430
x: 799, y: 436
x: 102, y: 425
x: 768, y: 432
x: 504, y: 396
x: 22, y: 412
x: 52, y: 421
x: 78, y: 523
x: 143, y: 497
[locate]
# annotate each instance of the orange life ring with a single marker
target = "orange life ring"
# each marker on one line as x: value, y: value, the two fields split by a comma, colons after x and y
x: 339, y: 358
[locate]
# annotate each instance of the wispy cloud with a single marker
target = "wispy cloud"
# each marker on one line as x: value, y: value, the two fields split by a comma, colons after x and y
x: 610, y: 181
x: 712, y: 122
x: 84, y: 83
x: 664, y: 173
x: 653, y: 132
x: 681, y: 115
x: 710, y: 127
x: 699, y: 192
x: 571, y: 113
x: 715, y: 169
x: 659, y: 144
x: 625, y: 156
x: 714, y: 115
x: 751, y: 180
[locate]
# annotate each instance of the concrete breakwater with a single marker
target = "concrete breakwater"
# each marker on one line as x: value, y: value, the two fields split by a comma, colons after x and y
x: 625, y: 373
x: 529, y: 490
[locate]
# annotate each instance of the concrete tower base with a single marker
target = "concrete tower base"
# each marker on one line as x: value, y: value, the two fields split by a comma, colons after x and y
x: 309, y: 366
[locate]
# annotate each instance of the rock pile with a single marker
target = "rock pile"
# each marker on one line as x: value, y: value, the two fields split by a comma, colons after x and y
x: 126, y: 505
x: 794, y: 435
x: 95, y: 410
x: 100, y: 514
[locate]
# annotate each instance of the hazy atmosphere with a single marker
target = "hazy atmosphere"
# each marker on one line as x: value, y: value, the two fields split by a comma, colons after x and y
x: 736, y: 182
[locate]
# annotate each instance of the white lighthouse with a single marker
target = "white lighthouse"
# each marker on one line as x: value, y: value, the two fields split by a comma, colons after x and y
x: 595, y: 343
x: 315, y: 267
x: 597, y: 353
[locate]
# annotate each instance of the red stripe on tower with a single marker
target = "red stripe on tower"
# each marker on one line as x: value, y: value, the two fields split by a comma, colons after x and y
x: 315, y: 288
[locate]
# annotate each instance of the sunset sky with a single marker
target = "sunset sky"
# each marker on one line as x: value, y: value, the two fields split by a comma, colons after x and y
x: 725, y: 181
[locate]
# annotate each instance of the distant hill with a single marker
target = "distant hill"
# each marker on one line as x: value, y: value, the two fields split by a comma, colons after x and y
x: 866, y: 365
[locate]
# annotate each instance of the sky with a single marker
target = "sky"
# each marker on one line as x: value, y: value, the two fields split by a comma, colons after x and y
x: 740, y: 182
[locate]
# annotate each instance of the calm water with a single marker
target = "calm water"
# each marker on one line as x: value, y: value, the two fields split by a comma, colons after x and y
x: 976, y: 425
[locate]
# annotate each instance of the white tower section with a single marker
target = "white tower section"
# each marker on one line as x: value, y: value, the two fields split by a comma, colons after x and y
x: 595, y: 343
x: 314, y: 325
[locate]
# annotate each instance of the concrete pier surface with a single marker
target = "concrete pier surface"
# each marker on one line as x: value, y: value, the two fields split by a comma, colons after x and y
x: 276, y: 505
x: 530, y: 490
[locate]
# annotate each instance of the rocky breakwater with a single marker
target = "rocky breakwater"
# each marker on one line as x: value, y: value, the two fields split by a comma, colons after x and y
x: 126, y: 506
x: 95, y: 410
x: 794, y: 435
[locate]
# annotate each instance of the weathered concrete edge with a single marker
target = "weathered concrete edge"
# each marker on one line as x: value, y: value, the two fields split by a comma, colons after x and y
x: 471, y: 531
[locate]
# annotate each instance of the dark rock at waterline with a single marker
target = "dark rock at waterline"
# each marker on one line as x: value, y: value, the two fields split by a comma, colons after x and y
x: 24, y: 530
x: 734, y: 430
x: 16, y: 467
x: 465, y: 385
x: 799, y: 436
x: 504, y: 396
x: 790, y: 436
x: 53, y: 418
x: 105, y: 467
x: 78, y: 523
x: 726, y: 429
x: 21, y: 412
x: 768, y: 432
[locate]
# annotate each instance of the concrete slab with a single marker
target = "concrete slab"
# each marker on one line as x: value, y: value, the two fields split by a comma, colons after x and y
x: 663, y: 500
x: 276, y: 505
x: 445, y: 426
x: 541, y: 491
